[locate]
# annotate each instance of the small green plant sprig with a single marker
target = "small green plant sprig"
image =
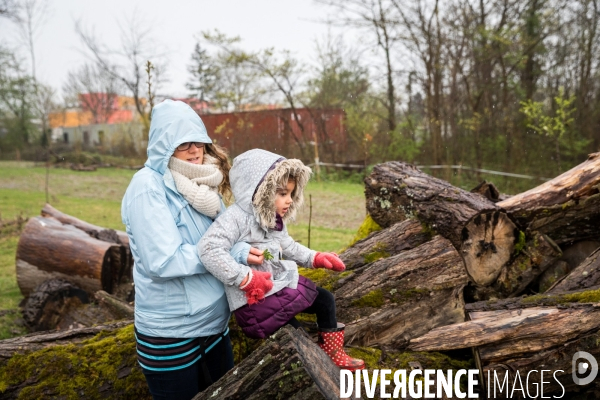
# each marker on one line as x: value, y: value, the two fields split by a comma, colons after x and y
x: 267, y: 254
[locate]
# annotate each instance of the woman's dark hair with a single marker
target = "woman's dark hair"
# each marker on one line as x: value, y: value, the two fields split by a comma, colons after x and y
x: 220, y: 154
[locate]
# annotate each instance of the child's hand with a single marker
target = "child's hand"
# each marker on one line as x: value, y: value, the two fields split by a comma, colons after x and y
x: 329, y: 261
x: 259, y: 284
x: 255, y: 257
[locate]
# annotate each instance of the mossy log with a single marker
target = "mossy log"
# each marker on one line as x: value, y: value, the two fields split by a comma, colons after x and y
x: 399, y: 237
x: 394, y: 299
x: 289, y: 365
x: 481, y: 232
x: 89, y: 363
x: 567, y: 208
x: 48, y: 249
x: 586, y: 275
x: 42, y: 340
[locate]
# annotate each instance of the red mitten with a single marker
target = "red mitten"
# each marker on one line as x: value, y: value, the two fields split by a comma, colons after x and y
x: 329, y: 261
x: 259, y: 284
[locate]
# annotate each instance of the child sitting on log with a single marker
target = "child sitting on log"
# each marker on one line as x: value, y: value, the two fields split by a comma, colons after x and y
x: 268, y: 190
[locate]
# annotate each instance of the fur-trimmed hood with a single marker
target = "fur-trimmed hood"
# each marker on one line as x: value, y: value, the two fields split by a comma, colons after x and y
x: 255, y: 177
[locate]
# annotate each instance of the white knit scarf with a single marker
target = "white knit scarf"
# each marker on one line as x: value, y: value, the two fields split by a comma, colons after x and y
x: 199, y: 183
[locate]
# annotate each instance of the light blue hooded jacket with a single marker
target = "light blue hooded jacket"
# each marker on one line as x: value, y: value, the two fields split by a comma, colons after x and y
x: 175, y: 296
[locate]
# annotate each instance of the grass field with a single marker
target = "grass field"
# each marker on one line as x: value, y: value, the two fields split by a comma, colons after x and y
x: 338, y: 209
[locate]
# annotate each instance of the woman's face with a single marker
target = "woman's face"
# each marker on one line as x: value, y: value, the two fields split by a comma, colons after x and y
x: 193, y: 154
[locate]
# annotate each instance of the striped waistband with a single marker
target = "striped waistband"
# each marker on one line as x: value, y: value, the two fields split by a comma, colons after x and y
x: 169, y: 354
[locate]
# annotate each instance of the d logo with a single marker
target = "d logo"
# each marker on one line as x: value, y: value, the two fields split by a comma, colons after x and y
x: 583, y: 367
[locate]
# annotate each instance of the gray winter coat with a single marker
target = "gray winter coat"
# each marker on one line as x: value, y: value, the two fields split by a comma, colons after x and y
x: 252, y: 219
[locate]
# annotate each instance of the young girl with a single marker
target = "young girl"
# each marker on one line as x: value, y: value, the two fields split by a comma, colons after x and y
x: 268, y: 190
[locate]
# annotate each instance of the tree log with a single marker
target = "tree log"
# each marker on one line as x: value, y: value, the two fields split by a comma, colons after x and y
x: 100, y: 233
x: 117, y: 306
x: 48, y: 303
x: 63, y: 365
x: 572, y: 257
x: 537, y: 255
x: 542, y: 327
x: 567, y: 208
x: 288, y: 365
x: 392, y: 300
x: 482, y: 233
x: 42, y: 340
x: 558, y: 360
x: 585, y: 276
x: 47, y: 249
x: 399, y: 237
x: 489, y: 191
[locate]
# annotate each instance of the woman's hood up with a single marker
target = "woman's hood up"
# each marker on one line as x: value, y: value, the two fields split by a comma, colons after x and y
x: 173, y: 123
x: 260, y: 167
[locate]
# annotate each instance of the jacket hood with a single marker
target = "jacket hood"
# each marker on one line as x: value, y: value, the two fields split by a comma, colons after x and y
x: 173, y: 123
x: 255, y: 177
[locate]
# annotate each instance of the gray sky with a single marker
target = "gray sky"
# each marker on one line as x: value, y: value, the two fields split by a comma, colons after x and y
x: 283, y: 24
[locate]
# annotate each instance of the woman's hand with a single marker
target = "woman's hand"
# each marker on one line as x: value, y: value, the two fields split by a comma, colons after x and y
x: 255, y: 257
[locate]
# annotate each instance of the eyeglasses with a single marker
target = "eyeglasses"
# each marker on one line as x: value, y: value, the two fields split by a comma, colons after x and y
x: 185, y: 146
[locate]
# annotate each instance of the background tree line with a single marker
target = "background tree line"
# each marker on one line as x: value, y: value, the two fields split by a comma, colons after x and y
x: 510, y: 85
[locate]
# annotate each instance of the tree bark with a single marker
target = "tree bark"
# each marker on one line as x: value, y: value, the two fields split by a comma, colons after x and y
x: 585, y: 276
x: 392, y: 300
x: 538, y: 254
x: 513, y: 332
x: 47, y: 249
x: 49, y: 302
x: 100, y: 233
x: 567, y: 208
x: 397, y: 238
x: 489, y: 191
x: 288, y: 365
x: 482, y: 233
x: 117, y: 306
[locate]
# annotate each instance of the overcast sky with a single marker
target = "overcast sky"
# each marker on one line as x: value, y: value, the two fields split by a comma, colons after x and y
x: 283, y: 24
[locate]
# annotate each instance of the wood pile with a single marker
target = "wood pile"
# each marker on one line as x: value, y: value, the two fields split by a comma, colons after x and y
x: 459, y: 280
x: 57, y: 245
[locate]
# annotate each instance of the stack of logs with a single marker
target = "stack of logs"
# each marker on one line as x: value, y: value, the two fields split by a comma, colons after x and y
x: 63, y: 262
x: 450, y: 268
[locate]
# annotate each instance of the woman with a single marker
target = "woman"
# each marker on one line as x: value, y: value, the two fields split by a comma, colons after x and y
x: 181, y: 310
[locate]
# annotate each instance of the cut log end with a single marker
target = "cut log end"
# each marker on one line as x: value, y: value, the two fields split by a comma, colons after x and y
x: 488, y: 241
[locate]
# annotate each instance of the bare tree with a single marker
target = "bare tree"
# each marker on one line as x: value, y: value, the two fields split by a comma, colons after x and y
x: 95, y: 89
x: 378, y: 17
x: 8, y: 8
x: 30, y: 17
x: 127, y: 64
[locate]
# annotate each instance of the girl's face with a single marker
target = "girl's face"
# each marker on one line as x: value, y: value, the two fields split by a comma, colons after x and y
x: 283, y: 199
x: 193, y: 154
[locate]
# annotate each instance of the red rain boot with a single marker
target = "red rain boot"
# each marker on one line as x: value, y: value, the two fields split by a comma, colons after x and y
x: 331, y: 341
